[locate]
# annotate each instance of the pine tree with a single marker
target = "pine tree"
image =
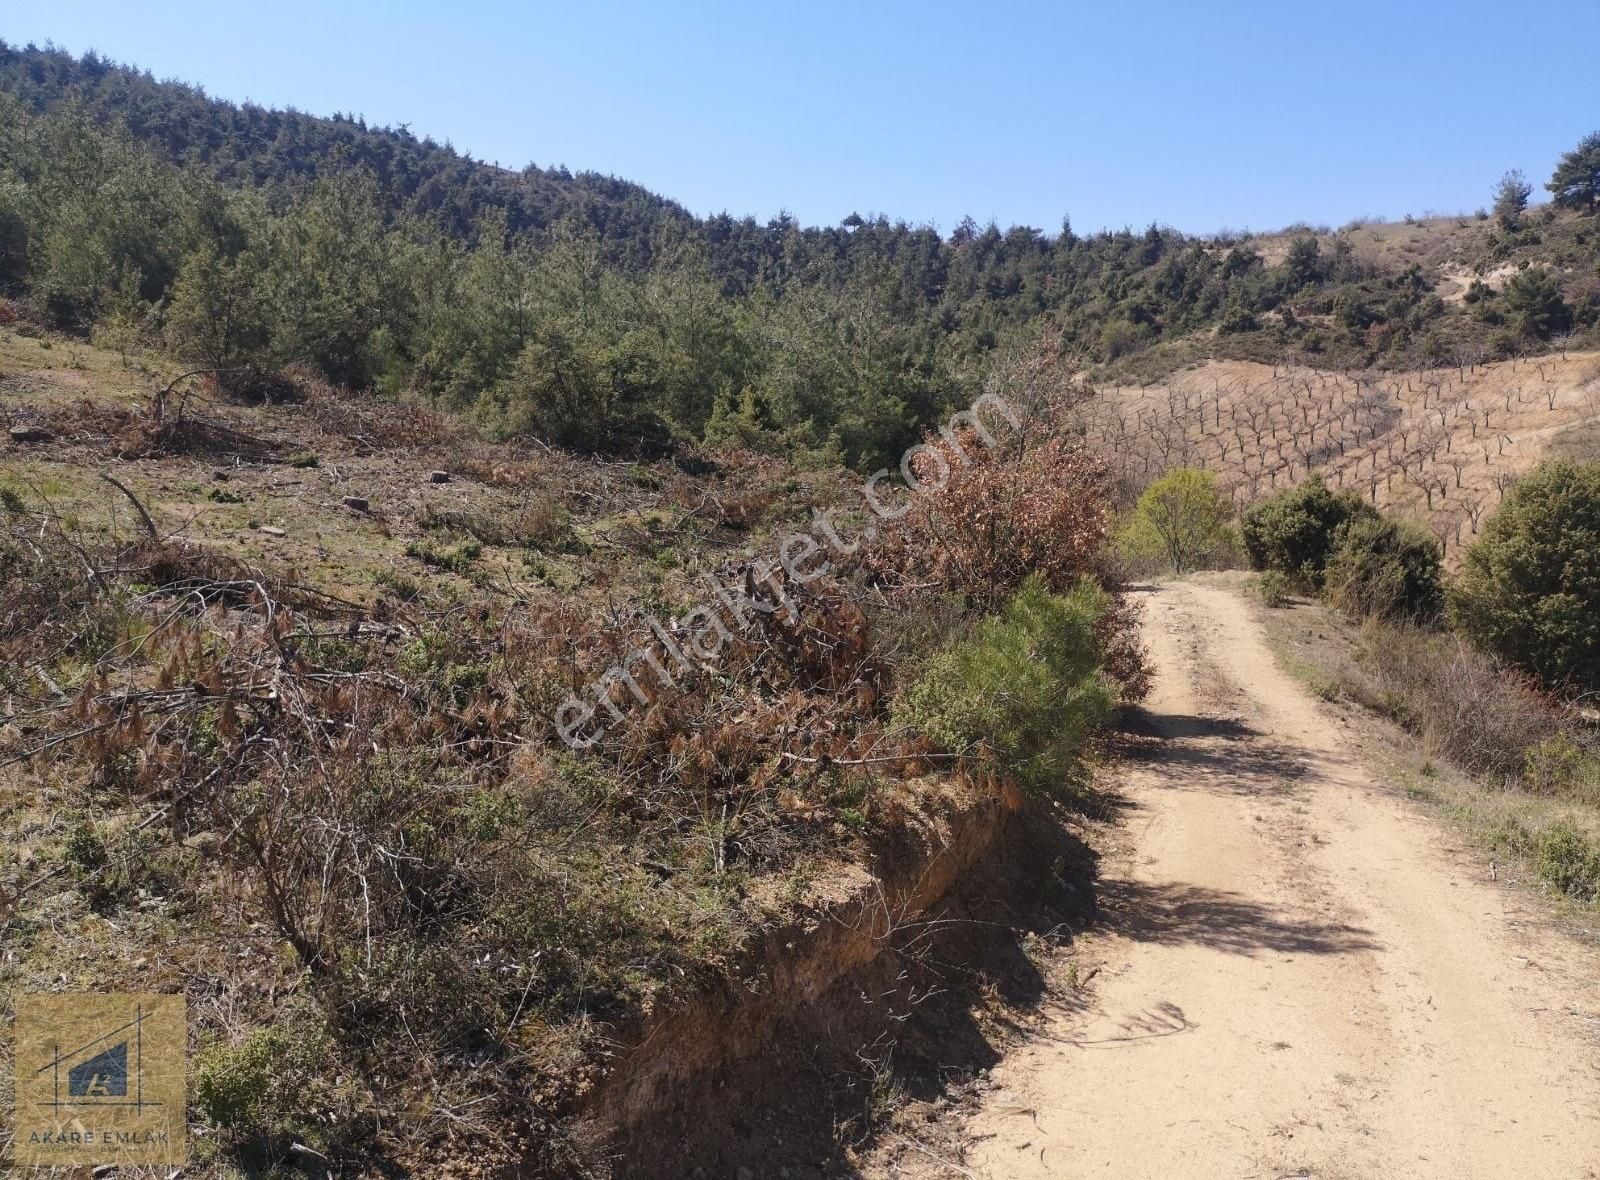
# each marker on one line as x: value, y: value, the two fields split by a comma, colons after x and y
x: 1511, y: 199
x: 1576, y: 183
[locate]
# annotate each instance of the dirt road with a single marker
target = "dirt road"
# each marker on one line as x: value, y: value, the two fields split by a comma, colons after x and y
x: 1299, y: 977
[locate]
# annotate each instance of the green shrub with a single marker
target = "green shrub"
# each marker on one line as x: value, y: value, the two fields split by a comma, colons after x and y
x: 1535, y: 305
x: 1570, y: 861
x: 402, y: 586
x: 1385, y: 567
x: 1237, y: 318
x: 455, y: 559
x: 1023, y: 692
x: 1182, y: 520
x: 112, y: 876
x: 85, y: 852
x: 1529, y: 588
x: 452, y: 674
x: 1296, y: 530
x: 1274, y: 588
x: 1560, y: 766
x: 269, y: 1082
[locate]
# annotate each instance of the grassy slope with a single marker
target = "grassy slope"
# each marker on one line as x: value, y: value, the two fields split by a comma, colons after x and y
x: 603, y: 514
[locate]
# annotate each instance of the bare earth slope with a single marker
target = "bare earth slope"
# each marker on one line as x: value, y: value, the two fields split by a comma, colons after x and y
x: 1300, y: 980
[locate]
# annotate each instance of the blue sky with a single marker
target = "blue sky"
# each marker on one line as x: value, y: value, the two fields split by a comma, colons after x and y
x: 1250, y: 114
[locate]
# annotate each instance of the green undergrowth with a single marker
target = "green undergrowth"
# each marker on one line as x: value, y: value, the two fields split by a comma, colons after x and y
x: 1023, y: 691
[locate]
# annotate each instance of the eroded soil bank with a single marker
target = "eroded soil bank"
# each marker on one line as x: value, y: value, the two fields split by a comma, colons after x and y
x: 897, y: 991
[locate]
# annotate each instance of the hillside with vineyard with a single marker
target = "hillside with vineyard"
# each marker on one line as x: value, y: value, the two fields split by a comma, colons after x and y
x: 1440, y: 446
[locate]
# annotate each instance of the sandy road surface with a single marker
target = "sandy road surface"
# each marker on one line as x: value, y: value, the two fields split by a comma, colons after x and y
x: 1299, y: 978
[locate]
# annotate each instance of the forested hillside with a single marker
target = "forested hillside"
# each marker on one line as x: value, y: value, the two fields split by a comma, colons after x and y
x: 589, y: 312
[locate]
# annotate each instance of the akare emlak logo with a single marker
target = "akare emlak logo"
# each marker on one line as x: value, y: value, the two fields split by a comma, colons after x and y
x: 100, y: 1080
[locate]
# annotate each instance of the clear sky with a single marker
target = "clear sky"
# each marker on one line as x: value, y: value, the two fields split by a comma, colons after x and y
x: 1203, y: 115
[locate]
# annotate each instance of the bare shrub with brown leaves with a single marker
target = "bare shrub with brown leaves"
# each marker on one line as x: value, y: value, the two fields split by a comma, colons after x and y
x: 1467, y: 706
x: 985, y: 518
x: 384, y: 792
x: 373, y: 424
